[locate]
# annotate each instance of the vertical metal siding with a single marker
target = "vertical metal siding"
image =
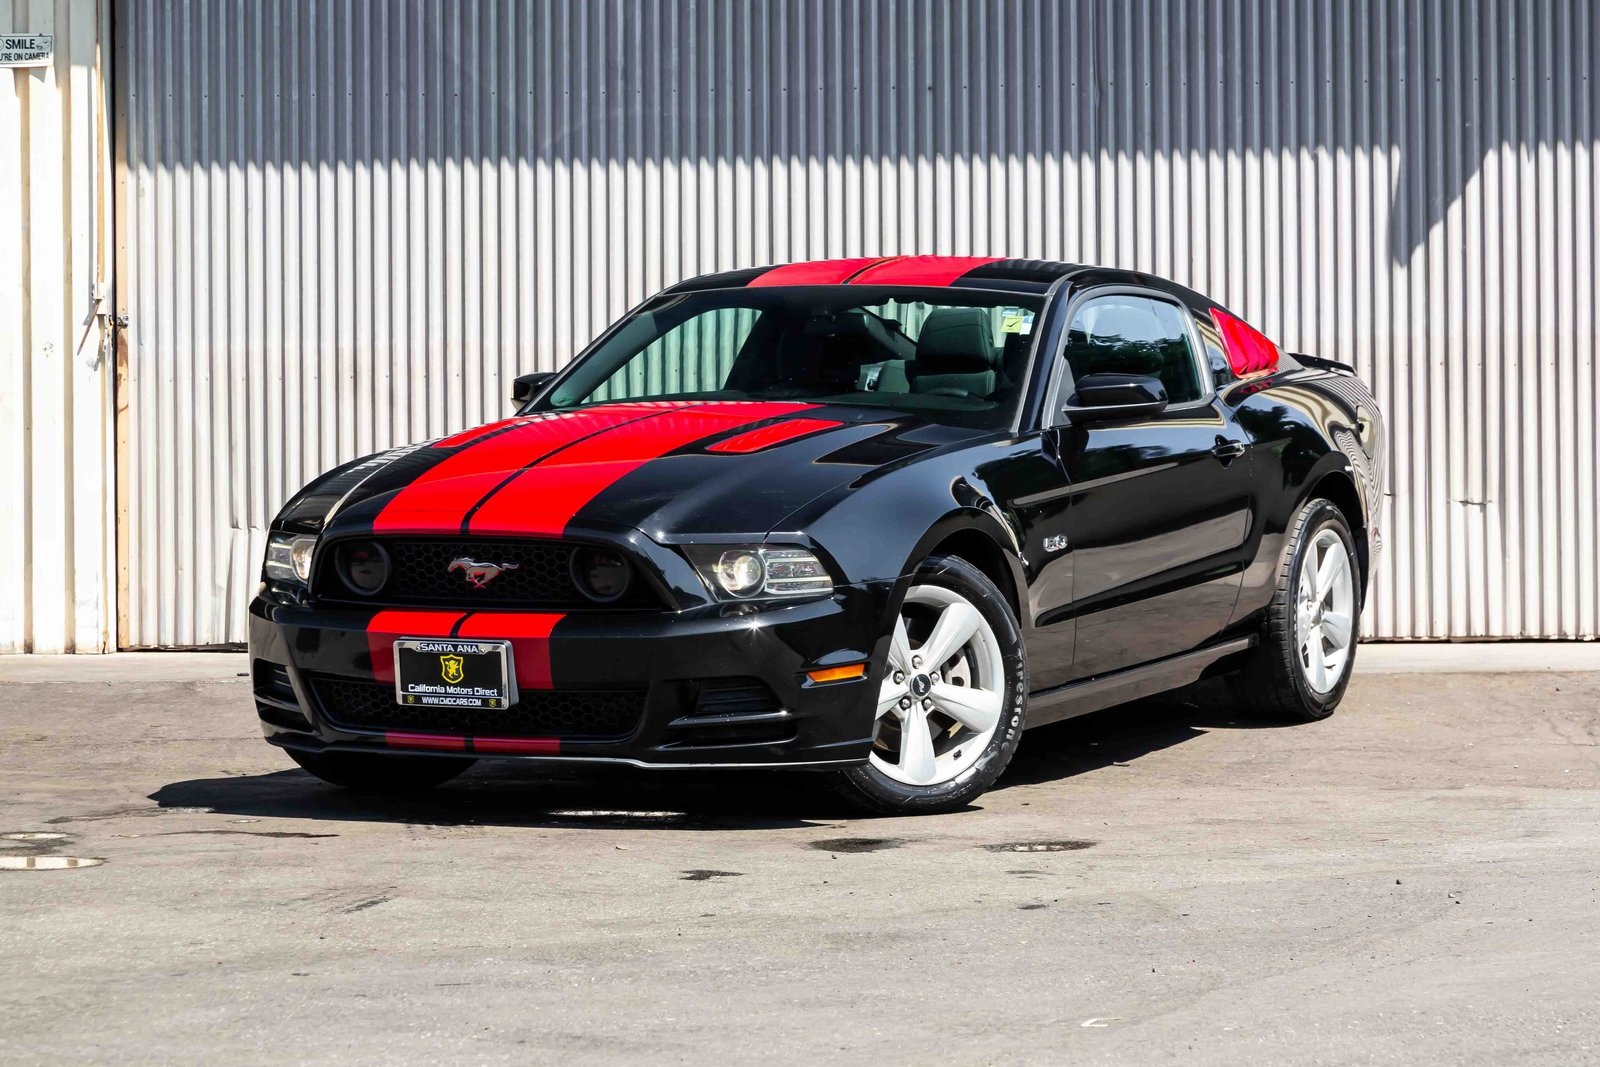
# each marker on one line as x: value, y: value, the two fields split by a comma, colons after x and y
x: 351, y: 222
x: 56, y: 556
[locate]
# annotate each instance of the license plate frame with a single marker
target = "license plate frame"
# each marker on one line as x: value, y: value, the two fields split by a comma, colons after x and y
x: 485, y: 671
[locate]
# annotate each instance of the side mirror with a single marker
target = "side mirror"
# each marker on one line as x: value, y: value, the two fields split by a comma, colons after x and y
x: 1101, y: 397
x: 527, y: 386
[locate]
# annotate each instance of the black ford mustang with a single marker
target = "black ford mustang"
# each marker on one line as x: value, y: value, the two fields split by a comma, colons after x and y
x: 869, y: 516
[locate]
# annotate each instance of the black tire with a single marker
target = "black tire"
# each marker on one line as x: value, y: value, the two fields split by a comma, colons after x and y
x: 869, y: 788
x: 369, y: 772
x: 1272, y: 685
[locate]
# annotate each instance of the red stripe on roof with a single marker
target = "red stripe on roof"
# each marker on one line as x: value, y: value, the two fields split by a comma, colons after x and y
x: 542, y: 500
x: 529, y: 636
x: 386, y: 627
x: 440, y: 497
x: 921, y: 270
x: 767, y: 436
x: 1249, y: 350
x: 816, y: 272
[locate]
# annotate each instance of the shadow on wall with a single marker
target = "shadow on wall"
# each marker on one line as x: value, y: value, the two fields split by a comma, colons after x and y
x: 1419, y: 93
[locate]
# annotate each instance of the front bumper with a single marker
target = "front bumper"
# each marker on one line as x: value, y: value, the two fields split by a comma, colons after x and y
x: 720, y: 686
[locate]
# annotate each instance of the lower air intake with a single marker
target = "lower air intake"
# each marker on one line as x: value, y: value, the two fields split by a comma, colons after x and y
x: 601, y: 715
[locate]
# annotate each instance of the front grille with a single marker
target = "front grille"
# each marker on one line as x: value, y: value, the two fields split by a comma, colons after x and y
x: 420, y: 576
x: 595, y: 715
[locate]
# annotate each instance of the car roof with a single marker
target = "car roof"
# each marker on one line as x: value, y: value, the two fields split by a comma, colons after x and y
x: 971, y: 272
x: 964, y: 272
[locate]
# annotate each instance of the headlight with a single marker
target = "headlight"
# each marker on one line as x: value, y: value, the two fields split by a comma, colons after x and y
x: 747, y: 573
x: 289, y: 558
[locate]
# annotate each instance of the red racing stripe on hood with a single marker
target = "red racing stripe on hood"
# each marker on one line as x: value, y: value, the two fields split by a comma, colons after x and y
x: 530, y: 642
x: 818, y: 272
x: 440, y: 498
x: 767, y: 436
x: 543, y: 499
x: 921, y: 270
x: 386, y: 627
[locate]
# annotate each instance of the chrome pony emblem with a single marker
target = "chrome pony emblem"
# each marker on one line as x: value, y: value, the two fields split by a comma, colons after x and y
x: 480, y: 574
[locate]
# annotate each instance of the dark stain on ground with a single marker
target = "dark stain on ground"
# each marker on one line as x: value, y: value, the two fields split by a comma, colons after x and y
x: 858, y: 844
x: 365, y: 904
x: 706, y: 876
x: 1039, y: 846
x: 1031, y: 907
x: 1026, y: 873
x: 128, y: 813
x: 244, y: 833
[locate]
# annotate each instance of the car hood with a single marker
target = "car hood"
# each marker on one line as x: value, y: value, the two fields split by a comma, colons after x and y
x: 675, y: 471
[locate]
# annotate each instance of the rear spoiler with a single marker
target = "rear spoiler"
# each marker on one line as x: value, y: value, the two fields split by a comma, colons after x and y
x: 1323, y: 364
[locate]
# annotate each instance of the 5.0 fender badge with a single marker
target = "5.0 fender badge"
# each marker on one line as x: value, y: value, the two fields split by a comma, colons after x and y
x: 1055, y: 543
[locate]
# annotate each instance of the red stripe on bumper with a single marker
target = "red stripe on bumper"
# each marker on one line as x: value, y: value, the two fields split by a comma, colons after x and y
x: 388, y: 626
x: 544, y: 499
x: 820, y: 272
x: 440, y: 498
x: 530, y: 642
x: 442, y: 742
x: 540, y: 746
x: 921, y: 270
x: 767, y: 436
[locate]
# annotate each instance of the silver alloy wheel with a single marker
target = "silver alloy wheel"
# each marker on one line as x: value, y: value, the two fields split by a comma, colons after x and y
x: 1325, y: 611
x: 940, y: 701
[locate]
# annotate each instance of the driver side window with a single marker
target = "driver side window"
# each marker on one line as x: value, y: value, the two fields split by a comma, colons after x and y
x: 1127, y: 334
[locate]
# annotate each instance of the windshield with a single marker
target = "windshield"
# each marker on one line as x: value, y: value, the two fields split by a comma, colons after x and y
x: 953, y: 356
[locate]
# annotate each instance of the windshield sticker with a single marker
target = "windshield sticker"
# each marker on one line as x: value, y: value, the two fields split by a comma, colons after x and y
x: 1016, y: 320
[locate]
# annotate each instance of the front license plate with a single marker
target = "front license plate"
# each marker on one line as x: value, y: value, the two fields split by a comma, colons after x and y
x: 454, y: 674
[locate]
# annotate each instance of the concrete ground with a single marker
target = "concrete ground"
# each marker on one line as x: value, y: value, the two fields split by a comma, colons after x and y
x: 1415, y: 880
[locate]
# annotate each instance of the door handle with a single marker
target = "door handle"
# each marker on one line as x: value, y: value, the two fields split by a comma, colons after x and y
x: 1227, y: 451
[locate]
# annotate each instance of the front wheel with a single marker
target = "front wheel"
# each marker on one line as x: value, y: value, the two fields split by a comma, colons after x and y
x: 952, y: 702
x: 1299, y: 671
x: 369, y: 772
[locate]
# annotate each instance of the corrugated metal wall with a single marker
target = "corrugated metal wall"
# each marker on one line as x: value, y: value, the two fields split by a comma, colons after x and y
x: 349, y: 224
x: 56, y: 559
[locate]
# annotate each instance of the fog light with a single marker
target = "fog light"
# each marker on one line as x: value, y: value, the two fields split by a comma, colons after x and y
x: 601, y: 574
x: 364, y: 566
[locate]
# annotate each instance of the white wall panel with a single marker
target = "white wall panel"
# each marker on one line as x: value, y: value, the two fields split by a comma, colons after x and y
x: 56, y: 423
x: 350, y: 223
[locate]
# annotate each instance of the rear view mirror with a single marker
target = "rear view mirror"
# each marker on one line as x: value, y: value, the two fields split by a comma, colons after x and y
x: 1100, y: 397
x: 527, y: 386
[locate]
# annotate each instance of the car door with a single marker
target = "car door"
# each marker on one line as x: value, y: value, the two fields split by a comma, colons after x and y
x: 1157, y: 506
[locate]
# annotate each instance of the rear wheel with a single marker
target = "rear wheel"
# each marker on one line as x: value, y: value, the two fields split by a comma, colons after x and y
x: 373, y: 773
x: 952, y: 700
x: 1300, y: 670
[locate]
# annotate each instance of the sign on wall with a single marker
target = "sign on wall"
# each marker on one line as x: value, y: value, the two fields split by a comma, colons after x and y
x: 26, y: 49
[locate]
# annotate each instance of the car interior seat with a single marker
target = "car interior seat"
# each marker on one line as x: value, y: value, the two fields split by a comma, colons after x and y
x: 956, y: 354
